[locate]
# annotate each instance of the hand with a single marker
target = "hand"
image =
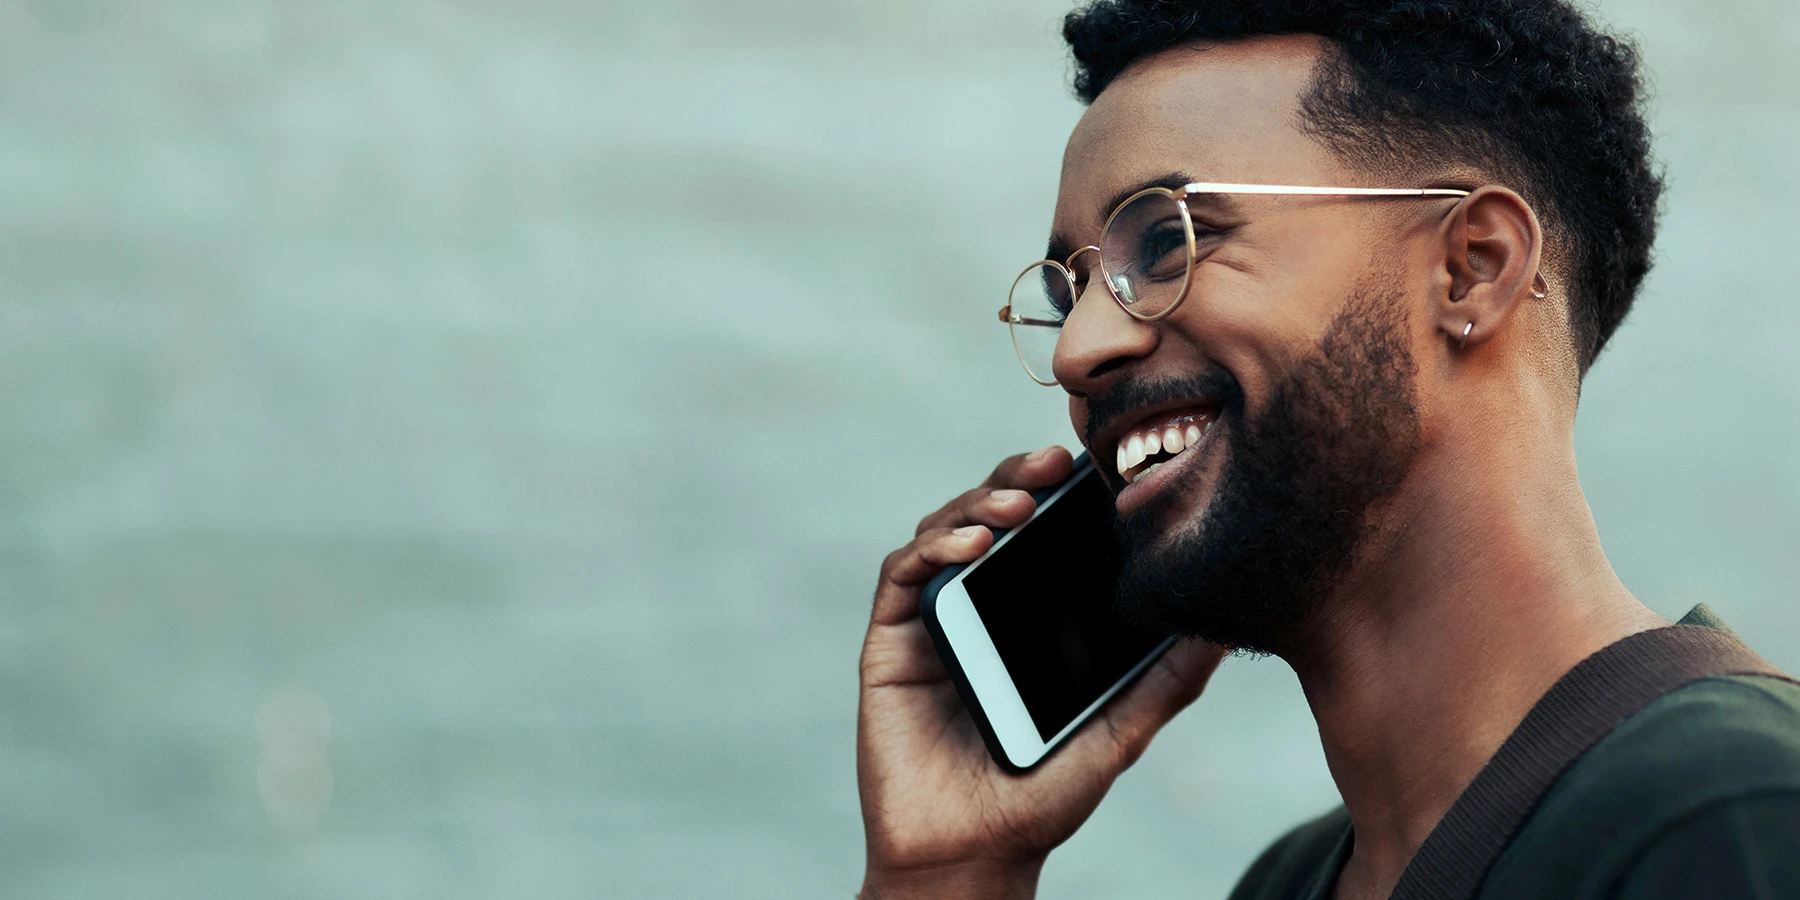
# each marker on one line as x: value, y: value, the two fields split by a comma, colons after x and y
x: 941, y: 819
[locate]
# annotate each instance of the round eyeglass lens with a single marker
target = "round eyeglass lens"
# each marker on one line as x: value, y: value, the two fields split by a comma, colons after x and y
x: 1145, y: 254
x: 1041, y: 297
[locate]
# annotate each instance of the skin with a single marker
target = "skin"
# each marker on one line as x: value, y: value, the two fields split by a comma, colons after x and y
x: 1483, y: 580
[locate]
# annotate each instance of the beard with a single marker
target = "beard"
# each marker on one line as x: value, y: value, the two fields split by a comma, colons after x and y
x: 1292, y: 507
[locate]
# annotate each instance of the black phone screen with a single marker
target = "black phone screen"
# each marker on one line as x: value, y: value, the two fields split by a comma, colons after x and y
x: 1046, y: 599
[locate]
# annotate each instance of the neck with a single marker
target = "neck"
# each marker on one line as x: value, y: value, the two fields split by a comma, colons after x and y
x: 1446, y: 636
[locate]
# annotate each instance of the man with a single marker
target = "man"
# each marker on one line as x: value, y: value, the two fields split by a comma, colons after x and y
x: 1385, y: 496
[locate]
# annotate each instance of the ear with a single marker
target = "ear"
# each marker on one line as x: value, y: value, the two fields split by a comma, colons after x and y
x: 1492, y: 243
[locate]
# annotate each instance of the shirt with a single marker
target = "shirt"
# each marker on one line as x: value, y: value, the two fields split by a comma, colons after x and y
x: 1697, y: 795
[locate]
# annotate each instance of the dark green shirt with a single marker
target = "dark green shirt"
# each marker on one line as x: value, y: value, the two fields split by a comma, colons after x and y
x: 1697, y: 795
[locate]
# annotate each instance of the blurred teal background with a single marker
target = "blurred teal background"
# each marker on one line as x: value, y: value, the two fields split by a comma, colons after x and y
x: 446, y: 448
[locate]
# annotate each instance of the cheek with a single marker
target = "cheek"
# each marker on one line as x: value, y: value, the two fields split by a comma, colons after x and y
x: 1252, y: 326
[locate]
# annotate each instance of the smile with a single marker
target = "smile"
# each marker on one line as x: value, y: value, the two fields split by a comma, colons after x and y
x: 1161, y: 439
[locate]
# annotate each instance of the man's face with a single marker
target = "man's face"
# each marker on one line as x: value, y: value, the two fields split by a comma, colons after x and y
x: 1292, y: 357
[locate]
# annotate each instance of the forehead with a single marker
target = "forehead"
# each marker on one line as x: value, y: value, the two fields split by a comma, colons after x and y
x: 1211, y: 111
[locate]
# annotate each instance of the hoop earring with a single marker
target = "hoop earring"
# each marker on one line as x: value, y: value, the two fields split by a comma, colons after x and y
x: 1464, y: 343
x: 1539, y: 287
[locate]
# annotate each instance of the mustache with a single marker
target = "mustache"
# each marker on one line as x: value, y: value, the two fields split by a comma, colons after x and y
x: 1135, y: 393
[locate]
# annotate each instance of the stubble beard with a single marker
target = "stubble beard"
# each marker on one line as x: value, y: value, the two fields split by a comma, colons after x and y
x: 1338, y: 436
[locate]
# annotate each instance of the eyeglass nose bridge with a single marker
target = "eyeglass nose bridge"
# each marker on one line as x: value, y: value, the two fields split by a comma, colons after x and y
x: 1121, y: 292
x: 1069, y: 265
x: 1070, y: 262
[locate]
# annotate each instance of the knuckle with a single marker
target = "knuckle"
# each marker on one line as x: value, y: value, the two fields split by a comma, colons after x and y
x: 871, y: 661
x: 953, y: 511
x: 1003, y: 473
x: 1127, y: 743
x: 1129, y: 754
x: 893, y: 560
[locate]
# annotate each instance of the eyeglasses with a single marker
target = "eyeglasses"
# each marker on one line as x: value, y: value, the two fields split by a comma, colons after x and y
x: 1141, y: 263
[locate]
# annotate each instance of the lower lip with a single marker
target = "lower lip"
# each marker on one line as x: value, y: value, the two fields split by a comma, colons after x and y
x: 1139, y: 492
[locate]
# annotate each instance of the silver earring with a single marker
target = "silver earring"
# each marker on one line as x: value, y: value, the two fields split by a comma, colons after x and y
x: 1468, y: 327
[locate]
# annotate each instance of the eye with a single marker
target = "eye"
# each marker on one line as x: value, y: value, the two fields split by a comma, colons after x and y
x: 1162, y: 250
x: 1056, y: 288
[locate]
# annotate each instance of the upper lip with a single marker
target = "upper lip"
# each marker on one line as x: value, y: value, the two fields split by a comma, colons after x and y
x: 1107, y: 438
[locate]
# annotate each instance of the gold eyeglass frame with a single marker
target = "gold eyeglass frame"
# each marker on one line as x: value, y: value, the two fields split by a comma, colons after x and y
x: 1179, y: 195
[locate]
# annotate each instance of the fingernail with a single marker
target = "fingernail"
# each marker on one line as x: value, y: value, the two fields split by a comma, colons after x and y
x: 1008, y: 495
x: 1038, y: 456
x: 967, y: 531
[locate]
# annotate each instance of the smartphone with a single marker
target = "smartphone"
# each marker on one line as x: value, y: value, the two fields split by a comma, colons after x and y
x: 1028, y: 630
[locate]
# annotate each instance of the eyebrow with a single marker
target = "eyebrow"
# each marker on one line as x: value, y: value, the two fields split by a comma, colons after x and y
x: 1173, y: 181
x: 1060, y: 246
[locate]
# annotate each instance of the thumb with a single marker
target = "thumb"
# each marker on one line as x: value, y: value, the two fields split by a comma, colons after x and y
x: 1127, y: 724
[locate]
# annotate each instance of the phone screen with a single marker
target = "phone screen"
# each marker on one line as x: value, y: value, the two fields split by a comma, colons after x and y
x: 1046, y: 600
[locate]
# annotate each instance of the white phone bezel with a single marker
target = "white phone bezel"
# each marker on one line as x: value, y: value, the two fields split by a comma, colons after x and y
x: 986, y: 674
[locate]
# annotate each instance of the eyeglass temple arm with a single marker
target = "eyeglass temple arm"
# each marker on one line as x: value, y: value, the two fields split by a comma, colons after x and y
x: 1213, y: 187
x: 1006, y: 315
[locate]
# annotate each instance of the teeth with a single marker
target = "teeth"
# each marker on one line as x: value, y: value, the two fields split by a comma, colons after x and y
x: 1173, y: 439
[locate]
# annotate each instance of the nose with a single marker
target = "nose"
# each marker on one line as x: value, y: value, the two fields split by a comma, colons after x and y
x: 1098, y: 340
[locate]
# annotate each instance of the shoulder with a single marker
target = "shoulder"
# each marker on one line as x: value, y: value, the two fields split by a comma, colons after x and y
x: 1712, y: 747
x: 1711, y: 739
x: 1302, y: 860
x: 1745, y: 847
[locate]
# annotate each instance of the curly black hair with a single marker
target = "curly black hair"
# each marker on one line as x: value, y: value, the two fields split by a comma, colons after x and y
x: 1527, y: 91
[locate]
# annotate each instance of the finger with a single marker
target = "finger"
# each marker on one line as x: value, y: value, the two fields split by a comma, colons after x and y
x: 1128, y: 724
x: 986, y: 505
x: 994, y: 507
x: 900, y: 655
x: 1030, y: 471
x: 907, y: 569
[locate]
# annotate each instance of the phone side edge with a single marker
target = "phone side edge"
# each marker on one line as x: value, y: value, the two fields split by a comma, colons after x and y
x: 965, y: 690
x: 947, y: 653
